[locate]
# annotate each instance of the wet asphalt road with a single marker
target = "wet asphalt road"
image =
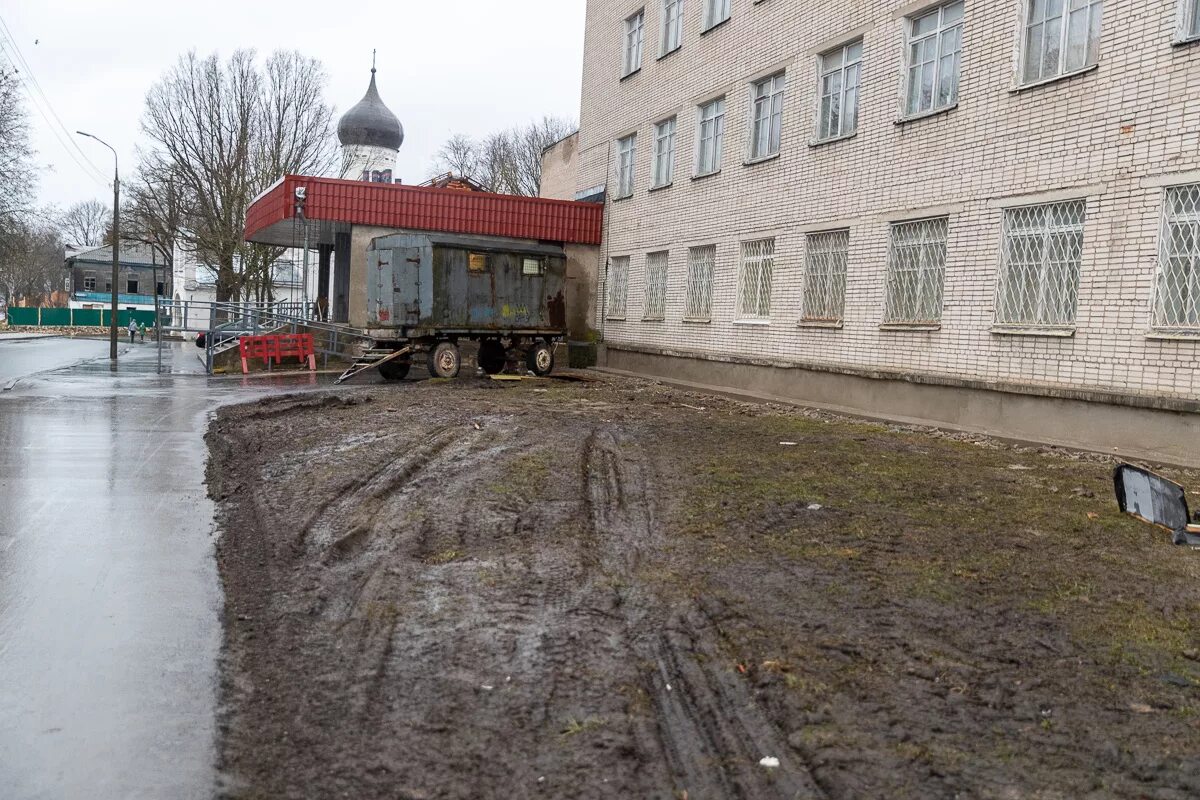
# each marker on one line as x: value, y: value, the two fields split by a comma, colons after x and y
x: 109, y: 598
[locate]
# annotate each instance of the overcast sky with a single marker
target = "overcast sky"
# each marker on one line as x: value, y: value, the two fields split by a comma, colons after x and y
x: 445, y: 66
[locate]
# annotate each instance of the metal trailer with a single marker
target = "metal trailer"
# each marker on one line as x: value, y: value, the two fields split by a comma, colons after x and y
x: 426, y: 292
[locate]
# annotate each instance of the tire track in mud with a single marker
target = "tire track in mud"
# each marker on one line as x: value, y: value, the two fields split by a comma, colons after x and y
x: 709, y: 729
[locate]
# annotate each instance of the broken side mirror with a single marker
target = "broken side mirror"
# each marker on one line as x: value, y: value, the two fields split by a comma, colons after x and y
x: 1156, y: 500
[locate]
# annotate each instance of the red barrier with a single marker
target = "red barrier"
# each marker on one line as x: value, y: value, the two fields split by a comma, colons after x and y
x: 274, y: 348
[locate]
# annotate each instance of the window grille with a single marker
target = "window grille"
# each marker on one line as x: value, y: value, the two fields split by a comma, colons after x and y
x: 664, y: 152
x: 825, y: 276
x: 768, y: 116
x: 656, y: 286
x: 634, y: 30
x: 1061, y: 36
x: 1039, y: 269
x: 838, y: 114
x: 626, y: 150
x: 754, y: 286
x: 618, y: 287
x: 716, y: 12
x: 672, y: 31
x: 1177, y: 293
x: 698, y: 304
x: 89, y: 284
x: 916, y: 272
x: 712, y: 136
x: 934, y: 45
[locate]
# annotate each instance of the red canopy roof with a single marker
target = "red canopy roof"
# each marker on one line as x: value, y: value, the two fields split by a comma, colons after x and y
x: 336, y: 205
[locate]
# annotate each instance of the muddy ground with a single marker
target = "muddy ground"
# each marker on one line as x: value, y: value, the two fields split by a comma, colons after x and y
x: 614, y: 589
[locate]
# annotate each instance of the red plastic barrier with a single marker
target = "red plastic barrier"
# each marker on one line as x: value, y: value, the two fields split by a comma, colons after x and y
x: 273, y: 348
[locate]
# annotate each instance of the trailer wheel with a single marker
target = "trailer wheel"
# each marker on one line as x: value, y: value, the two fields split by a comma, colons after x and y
x: 492, y: 356
x: 444, y: 360
x: 394, y: 370
x: 540, y: 359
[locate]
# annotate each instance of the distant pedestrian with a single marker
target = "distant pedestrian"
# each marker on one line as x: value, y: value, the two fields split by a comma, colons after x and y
x: 132, y: 329
x: 142, y: 331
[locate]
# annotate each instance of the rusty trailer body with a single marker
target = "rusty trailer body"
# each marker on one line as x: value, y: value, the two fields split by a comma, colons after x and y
x: 428, y: 291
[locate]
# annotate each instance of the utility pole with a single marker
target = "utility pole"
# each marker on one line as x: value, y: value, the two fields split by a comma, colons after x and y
x: 116, y: 246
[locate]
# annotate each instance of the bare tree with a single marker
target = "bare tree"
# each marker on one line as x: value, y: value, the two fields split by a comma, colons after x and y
x: 223, y: 133
x: 16, y: 156
x: 508, y: 161
x: 31, y: 262
x: 86, y: 224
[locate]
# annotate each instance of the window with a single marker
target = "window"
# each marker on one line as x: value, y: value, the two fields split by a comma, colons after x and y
x: 825, y: 276
x: 1189, y: 19
x: 916, y: 272
x: 633, y: 42
x: 698, y: 305
x: 656, y: 286
x: 712, y: 136
x: 838, y: 113
x: 1061, y: 36
x: 1177, y: 293
x: 131, y: 287
x: 618, y: 287
x: 626, y: 149
x: 664, y: 152
x: 754, y: 284
x: 160, y: 288
x: 767, y: 120
x: 1039, y: 266
x: 716, y: 12
x: 89, y: 284
x: 533, y: 266
x: 934, y: 44
x: 672, y: 26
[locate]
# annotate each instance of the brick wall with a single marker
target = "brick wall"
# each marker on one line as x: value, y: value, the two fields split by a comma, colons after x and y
x: 1114, y: 136
x: 560, y: 169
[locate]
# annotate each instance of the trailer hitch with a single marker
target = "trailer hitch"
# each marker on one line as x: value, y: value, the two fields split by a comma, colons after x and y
x: 1154, y: 499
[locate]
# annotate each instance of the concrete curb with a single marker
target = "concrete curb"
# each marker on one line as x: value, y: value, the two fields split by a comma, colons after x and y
x: 29, y: 338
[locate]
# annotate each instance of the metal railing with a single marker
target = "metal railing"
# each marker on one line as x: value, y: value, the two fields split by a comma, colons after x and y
x: 228, y: 322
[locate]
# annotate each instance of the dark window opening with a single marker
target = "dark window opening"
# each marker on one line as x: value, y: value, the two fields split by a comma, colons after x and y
x: 160, y: 288
x: 89, y: 284
x: 131, y: 287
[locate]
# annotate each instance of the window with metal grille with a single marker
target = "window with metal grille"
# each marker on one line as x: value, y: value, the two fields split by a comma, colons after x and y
x: 664, y: 152
x: 1190, y: 23
x: 838, y: 112
x: 767, y: 120
x: 89, y: 284
x: 618, y: 287
x: 712, y: 136
x: 656, y: 286
x: 754, y: 283
x: 1039, y: 266
x: 1061, y: 36
x: 1177, y: 293
x: 698, y: 304
x: 716, y: 12
x: 916, y: 272
x: 672, y: 25
x: 934, y: 44
x: 825, y: 276
x: 626, y: 150
x: 634, y: 30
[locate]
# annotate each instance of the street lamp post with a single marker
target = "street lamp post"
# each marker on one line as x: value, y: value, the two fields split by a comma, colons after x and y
x: 116, y: 237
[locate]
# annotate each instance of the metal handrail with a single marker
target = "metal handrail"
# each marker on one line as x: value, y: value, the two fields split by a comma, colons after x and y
x: 241, y: 319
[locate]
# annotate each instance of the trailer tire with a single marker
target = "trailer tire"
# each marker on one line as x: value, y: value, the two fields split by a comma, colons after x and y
x: 540, y: 359
x: 394, y: 370
x: 492, y: 357
x: 444, y: 360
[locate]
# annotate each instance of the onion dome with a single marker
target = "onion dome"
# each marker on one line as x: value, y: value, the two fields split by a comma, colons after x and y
x: 371, y: 123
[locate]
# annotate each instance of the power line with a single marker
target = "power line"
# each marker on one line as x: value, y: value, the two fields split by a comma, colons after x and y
x: 67, y: 143
x: 29, y: 71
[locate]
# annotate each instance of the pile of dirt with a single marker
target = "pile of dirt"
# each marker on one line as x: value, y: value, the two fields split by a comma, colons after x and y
x: 616, y: 589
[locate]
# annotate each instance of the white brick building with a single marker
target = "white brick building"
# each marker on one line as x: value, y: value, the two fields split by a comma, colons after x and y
x: 1026, y: 220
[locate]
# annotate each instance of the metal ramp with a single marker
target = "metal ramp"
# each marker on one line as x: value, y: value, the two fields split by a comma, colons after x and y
x: 372, y: 358
x: 228, y: 322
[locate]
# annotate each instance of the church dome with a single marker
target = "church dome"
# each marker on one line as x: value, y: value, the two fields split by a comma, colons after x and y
x: 371, y: 123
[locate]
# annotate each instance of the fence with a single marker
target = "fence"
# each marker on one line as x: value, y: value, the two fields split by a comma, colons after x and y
x: 74, y: 317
